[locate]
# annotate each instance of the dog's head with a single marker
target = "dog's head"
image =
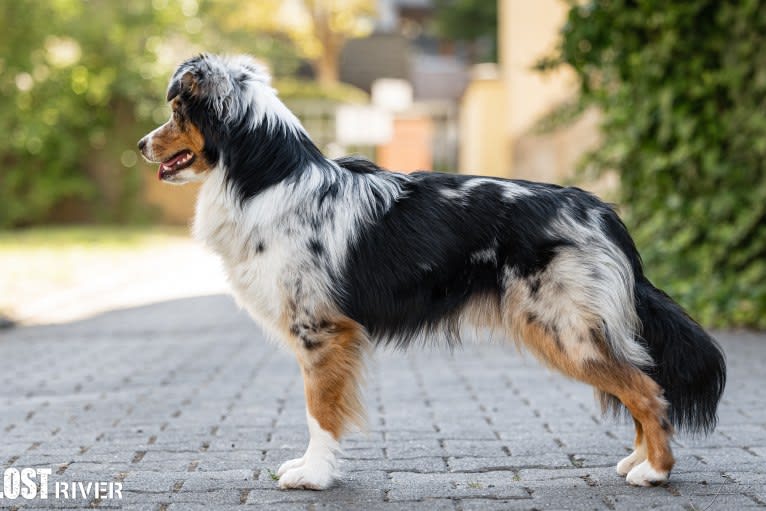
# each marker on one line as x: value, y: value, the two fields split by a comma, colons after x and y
x: 209, y: 96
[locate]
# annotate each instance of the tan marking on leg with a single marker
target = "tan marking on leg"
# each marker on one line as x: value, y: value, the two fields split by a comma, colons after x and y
x: 638, y: 392
x: 332, y: 371
x: 642, y: 397
x: 544, y: 345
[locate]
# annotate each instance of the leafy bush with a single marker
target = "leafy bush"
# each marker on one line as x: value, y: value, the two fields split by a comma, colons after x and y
x: 681, y: 85
x: 76, y: 78
x: 470, y: 21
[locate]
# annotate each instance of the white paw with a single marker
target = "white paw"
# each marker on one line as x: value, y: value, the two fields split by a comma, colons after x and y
x: 311, y: 475
x: 644, y: 475
x: 628, y: 462
x: 287, y: 465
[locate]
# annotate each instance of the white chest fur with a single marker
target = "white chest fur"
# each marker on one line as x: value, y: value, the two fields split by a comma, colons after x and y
x: 264, y: 247
x: 284, y: 248
x: 254, y: 257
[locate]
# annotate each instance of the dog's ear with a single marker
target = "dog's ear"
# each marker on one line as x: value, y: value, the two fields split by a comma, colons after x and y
x: 189, y: 83
x: 186, y: 84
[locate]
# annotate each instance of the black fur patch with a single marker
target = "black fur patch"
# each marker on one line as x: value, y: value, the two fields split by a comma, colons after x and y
x: 358, y: 165
x: 410, y: 272
x: 534, y: 285
x: 309, y: 343
x: 690, y: 367
x: 316, y: 247
x: 260, y: 157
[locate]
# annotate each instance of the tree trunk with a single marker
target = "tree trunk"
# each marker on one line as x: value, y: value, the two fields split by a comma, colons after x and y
x: 326, y: 66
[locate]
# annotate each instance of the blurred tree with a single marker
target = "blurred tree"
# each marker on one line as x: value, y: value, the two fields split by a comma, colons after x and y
x: 681, y: 85
x: 81, y: 81
x: 317, y: 28
x: 472, y: 21
x: 73, y: 91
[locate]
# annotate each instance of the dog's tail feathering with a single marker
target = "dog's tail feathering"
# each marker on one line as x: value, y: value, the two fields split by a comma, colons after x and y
x: 688, y: 364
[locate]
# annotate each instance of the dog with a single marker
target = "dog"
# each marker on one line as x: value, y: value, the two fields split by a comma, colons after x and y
x: 335, y: 256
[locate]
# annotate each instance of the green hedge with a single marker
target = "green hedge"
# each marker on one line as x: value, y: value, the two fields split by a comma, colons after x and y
x: 80, y: 82
x: 682, y: 88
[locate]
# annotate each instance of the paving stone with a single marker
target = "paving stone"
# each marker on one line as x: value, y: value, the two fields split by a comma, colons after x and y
x: 426, y: 465
x: 190, y: 407
x: 412, y: 486
x: 431, y: 504
x: 481, y: 464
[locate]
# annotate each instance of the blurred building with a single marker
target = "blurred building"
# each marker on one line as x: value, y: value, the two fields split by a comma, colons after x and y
x: 500, y: 104
x: 402, y: 47
x: 477, y: 119
x: 425, y: 135
x: 508, y: 144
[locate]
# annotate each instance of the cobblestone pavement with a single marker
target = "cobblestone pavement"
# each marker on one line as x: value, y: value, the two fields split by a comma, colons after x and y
x: 187, y: 406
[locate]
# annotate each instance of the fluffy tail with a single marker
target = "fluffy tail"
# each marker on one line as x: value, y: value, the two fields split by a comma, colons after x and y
x: 688, y: 364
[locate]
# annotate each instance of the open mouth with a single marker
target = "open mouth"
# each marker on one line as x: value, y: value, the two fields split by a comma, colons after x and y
x: 175, y: 164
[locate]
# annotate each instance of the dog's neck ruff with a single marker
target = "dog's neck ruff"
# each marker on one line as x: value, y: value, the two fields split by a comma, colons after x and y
x: 264, y: 149
x: 281, y: 215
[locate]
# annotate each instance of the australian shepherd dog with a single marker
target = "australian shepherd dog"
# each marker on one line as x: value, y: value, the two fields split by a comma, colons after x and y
x: 335, y: 256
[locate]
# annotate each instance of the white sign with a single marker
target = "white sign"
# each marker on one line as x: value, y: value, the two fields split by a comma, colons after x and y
x: 363, y: 125
x: 392, y: 94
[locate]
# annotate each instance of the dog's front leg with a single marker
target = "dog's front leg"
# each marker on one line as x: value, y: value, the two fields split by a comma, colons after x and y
x: 317, y: 468
x: 331, y: 355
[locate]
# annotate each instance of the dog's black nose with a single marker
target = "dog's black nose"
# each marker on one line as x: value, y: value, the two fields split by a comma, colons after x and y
x: 142, y: 144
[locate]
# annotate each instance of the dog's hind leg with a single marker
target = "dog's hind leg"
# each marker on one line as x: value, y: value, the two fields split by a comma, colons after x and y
x: 638, y: 392
x: 330, y: 353
x: 642, y: 396
x: 571, y: 340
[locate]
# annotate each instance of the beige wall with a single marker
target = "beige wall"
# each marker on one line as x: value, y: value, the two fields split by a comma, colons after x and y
x: 528, y: 31
x: 500, y: 140
x: 484, y: 143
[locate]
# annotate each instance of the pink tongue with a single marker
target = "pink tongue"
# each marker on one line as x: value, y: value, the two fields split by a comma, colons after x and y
x: 169, y: 163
